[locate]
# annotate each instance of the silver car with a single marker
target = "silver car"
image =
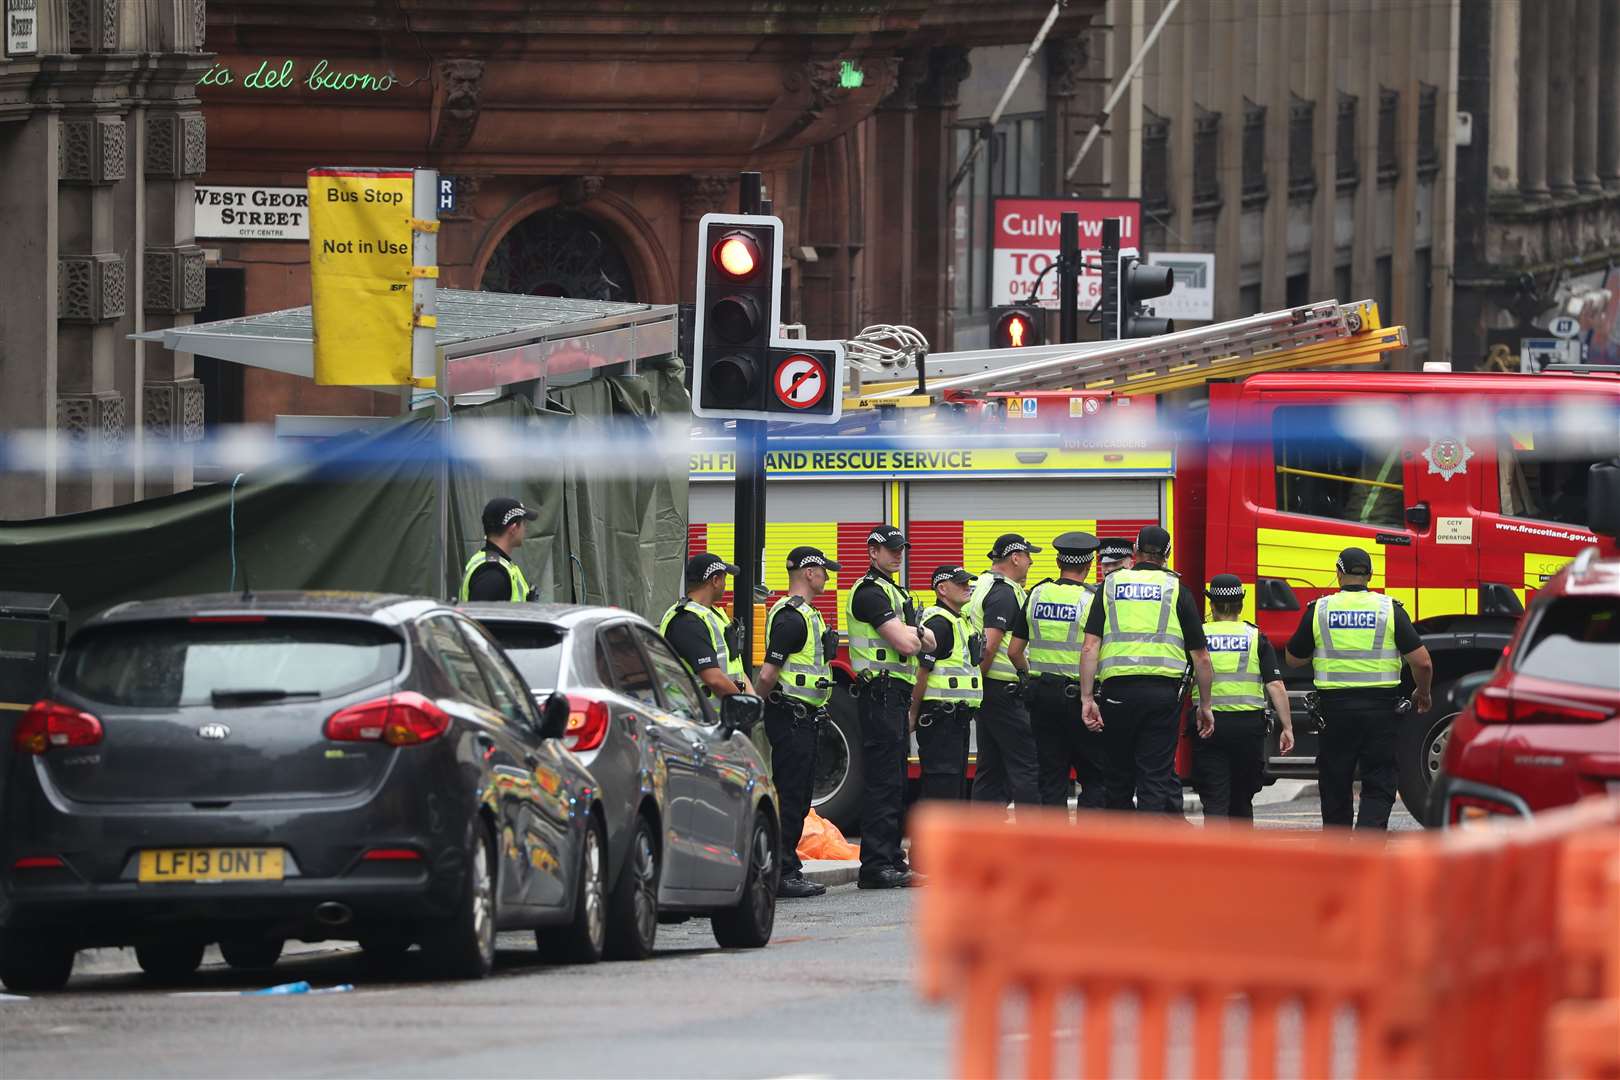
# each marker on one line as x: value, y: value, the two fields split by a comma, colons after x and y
x: 690, y: 807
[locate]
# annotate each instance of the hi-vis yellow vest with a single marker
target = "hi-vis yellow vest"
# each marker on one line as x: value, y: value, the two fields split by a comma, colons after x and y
x: 955, y: 677
x: 715, y: 623
x: 867, y: 649
x: 1057, y: 617
x: 1001, y: 668
x: 1141, y: 633
x: 520, y: 587
x: 806, y: 676
x: 1234, y: 652
x: 1355, y: 642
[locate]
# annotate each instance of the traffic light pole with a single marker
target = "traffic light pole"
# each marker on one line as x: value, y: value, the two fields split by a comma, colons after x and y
x: 749, y: 508
x: 1069, y: 278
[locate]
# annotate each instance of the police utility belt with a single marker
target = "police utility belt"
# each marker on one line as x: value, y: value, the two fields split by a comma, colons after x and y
x: 941, y: 708
x: 1071, y: 687
x: 798, y: 709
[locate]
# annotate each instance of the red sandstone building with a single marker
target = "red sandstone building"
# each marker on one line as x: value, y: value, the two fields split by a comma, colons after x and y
x: 585, y: 139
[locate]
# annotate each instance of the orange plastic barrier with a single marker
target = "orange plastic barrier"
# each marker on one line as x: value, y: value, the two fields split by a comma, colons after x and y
x: 1150, y: 948
x: 1585, y: 1032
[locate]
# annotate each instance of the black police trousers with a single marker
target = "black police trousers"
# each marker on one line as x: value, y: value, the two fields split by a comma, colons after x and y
x: 885, y: 704
x: 942, y: 747
x: 1229, y: 767
x: 1141, y: 723
x: 1064, y: 743
x: 1006, y: 770
x: 793, y: 767
x: 1353, y: 738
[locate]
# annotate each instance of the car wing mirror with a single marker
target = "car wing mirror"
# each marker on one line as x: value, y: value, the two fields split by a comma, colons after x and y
x: 740, y: 712
x: 554, y: 716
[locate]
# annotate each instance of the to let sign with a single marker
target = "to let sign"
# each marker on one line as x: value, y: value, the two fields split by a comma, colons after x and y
x: 1025, y: 242
x: 360, y: 239
x: 22, y: 27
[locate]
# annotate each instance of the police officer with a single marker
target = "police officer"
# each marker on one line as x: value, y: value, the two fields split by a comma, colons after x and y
x: 1140, y: 635
x: 490, y: 573
x: 949, y: 688
x: 1055, y: 613
x: 1229, y: 765
x: 1006, y: 770
x: 1355, y: 641
x: 708, y: 643
x: 1114, y: 554
x: 883, y: 645
x: 796, y: 680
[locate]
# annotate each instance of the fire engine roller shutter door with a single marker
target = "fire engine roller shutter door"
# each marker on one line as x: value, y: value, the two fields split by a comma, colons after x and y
x: 834, y: 516
x: 956, y: 521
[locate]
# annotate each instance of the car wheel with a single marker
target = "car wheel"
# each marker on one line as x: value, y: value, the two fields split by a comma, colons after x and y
x: 253, y: 954
x: 749, y: 924
x: 33, y: 963
x: 1421, y: 747
x: 835, y: 793
x: 464, y: 946
x: 582, y: 941
x: 632, y: 925
x: 168, y: 961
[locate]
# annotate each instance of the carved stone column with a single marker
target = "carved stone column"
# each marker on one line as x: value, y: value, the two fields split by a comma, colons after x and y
x: 936, y: 109
x: 1609, y: 100
x: 1533, y: 101
x: 892, y: 222
x: 1066, y: 61
x: 1560, y: 16
x: 700, y: 194
x: 1588, y: 34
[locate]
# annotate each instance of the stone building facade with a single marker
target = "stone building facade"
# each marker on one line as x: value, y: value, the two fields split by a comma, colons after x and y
x: 1538, y: 186
x: 101, y: 139
x: 584, y: 140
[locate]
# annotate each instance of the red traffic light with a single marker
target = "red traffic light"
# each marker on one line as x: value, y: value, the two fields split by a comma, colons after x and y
x: 737, y: 255
x: 1017, y: 327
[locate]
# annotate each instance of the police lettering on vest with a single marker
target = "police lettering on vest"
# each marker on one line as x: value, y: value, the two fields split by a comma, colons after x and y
x: 1141, y: 631
x: 1352, y: 620
x: 1057, y: 615
x: 1234, y: 652
x: 1354, y: 640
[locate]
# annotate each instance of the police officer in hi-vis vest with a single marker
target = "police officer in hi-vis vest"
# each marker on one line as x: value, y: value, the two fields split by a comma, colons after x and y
x: 1355, y: 641
x: 1055, y: 613
x: 949, y: 688
x: 1229, y: 765
x: 884, y: 641
x: 1006, y: 770
x: 1141, y: 635
x: 491, y: 574
x: 1114, y: 554
x: 708, y: 643
x: 796, y: 680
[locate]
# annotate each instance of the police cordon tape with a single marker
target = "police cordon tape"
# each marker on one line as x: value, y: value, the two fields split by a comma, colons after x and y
x: 1114, y: 442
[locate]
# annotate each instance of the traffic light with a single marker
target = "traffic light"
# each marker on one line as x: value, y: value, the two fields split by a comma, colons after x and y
x: 1126, y: 283
x: 741, y: 368
x: 1015, y: 326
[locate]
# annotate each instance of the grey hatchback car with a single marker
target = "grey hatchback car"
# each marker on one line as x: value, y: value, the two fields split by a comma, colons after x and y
x: 244, y: 770
x: 690, y: 808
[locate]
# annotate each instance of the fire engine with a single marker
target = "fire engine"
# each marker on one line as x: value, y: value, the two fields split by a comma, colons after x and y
x: 1467, y: 491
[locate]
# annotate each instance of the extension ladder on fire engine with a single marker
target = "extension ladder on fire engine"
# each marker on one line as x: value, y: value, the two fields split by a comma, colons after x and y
x: 1315, y: 335
x: 1149, y: 948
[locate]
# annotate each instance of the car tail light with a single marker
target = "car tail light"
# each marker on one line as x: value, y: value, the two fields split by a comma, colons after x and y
x: 1498, y: 705
x: 1465, y: 811
x: 587, y: 723
x: 391, y: 854
x: 49, y: 724
x: 39, y: 862
x: 402, y: 719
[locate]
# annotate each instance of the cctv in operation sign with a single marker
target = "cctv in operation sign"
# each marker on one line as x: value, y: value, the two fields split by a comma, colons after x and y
x: 1024, y: 242
x: 361, y: 275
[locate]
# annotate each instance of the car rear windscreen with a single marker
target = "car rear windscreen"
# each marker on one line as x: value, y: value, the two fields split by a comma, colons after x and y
x: 169, y: 664
x: 1577, y: 640
x: 536, y: 649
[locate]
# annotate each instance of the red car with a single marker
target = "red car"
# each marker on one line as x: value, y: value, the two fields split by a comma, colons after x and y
x: 1544, y: 730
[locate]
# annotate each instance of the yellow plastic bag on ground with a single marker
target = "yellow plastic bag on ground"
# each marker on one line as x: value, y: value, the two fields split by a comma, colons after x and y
x: 822, y: 840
